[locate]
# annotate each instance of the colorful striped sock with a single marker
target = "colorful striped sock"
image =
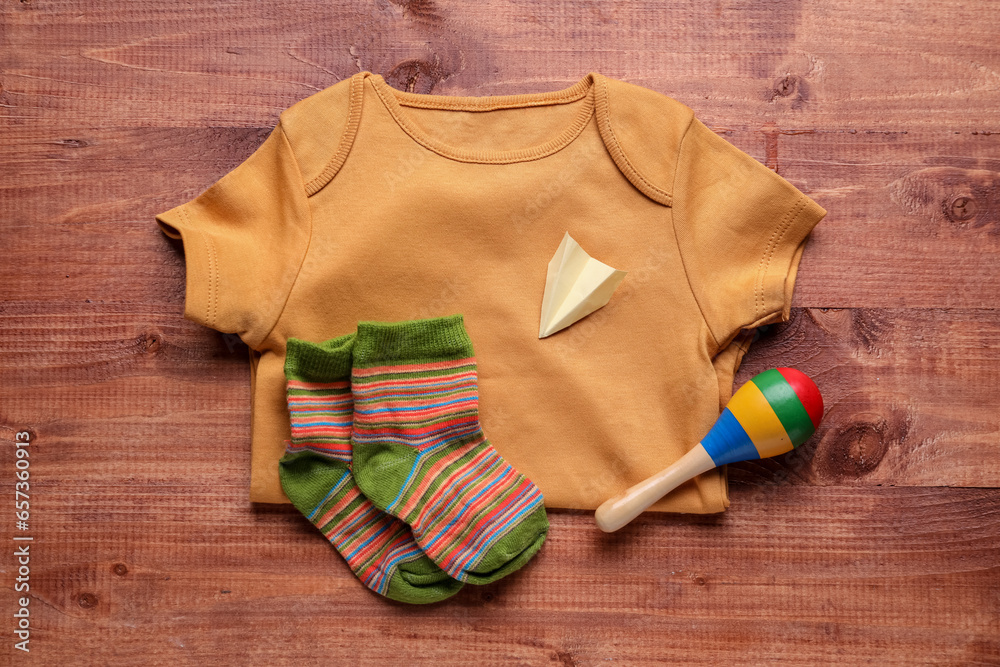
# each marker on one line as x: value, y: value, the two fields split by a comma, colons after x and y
x: 420, y: 454
x: 316, y: 476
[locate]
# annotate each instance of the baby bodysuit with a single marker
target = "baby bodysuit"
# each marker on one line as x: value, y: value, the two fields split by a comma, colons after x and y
x: 368, y: 203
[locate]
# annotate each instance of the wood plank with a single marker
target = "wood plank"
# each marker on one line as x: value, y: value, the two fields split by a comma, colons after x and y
x: 73, y: 198
x: 817, y: 64
x: 805, y: 574
x: 907, y: 392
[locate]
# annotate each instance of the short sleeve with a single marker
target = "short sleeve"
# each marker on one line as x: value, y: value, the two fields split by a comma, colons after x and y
x: 244, y: 241
x: 740, y: 229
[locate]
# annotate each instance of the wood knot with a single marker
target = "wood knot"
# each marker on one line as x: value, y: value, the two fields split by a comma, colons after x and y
x: 791, y: 87
x: 857, y: 448
x: 120, y: 569
x: 87, y: 600
x: 416, y: 76
x: 863, y: 445
x: 962, y: 198
x: 786, y: 85
x: 961, y: 209
x: 149, y: 343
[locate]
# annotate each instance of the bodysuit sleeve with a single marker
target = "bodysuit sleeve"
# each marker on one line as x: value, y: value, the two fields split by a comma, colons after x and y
x: 244, y: 240
x: 741, y: 229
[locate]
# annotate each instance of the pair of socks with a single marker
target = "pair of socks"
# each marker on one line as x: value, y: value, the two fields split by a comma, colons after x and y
x: 389, y: 461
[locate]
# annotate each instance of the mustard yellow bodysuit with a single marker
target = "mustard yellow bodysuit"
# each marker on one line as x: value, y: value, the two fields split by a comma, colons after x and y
x: 367, y: 203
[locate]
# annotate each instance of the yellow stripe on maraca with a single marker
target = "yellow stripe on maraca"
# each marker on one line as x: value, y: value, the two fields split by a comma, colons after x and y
x: 758, y: 419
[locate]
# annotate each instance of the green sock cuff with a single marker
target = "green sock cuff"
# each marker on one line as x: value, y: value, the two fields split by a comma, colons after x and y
x: 319, y: 362
x: 433, y: 339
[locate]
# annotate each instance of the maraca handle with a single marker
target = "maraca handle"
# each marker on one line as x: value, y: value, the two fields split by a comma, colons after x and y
x: 630, y: 503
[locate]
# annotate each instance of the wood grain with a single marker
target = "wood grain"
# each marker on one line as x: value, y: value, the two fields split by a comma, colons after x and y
x: 916, y: 215
x: 807, y: 574
x: 875, y: 542
x: 811, y: 64
x: 903, y: 390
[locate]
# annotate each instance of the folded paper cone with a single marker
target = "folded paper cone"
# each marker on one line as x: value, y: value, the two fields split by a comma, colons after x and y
x: 576, y: 285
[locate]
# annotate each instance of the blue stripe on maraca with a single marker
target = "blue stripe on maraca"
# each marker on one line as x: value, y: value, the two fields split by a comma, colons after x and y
x: 727, y: 442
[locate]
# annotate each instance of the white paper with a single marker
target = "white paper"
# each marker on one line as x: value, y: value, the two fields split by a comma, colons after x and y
x: 576, y: 285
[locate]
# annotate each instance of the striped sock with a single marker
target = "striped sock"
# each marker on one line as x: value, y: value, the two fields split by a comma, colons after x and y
x: 421, y: 455
x: 316, y: 476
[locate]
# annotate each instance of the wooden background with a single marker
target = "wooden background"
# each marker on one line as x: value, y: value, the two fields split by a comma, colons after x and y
x: 879, y: 541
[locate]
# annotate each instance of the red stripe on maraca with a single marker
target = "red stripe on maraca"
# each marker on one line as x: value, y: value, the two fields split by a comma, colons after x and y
x: 807, y: 391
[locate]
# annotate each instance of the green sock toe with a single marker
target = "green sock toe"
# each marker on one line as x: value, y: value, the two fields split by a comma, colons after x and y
x: 513, y: 551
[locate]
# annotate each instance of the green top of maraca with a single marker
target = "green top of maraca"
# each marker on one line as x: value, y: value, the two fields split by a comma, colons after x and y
x: 795, y: 400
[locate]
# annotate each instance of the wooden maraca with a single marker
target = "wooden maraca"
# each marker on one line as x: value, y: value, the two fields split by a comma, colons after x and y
x: 773, y: 413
